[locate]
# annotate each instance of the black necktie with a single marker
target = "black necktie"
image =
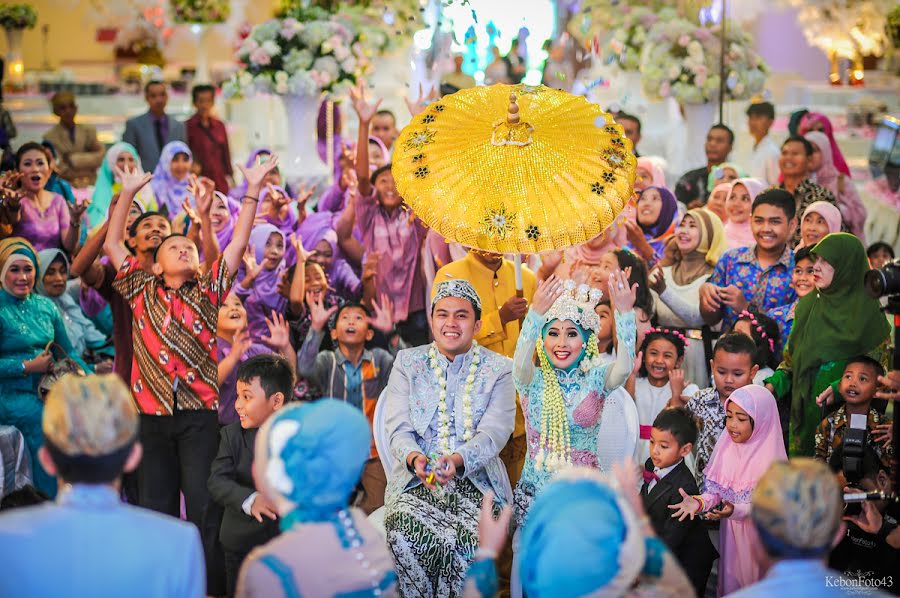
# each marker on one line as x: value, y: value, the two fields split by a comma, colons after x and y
x: 157, y: 127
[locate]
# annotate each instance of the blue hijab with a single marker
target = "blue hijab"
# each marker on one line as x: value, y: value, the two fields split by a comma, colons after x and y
x: 315, y: 457
x: 580, y: 537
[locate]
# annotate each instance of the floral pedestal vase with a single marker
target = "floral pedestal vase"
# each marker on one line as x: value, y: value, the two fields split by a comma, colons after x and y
x: 201, y: 32
x: 14, y: 66
x: 698, y: 118
x: 299, y: 158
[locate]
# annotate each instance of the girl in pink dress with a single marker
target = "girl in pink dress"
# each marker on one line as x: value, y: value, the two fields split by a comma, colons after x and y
x: 751, y: 442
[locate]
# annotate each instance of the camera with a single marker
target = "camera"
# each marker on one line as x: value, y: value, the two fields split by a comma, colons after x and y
x: 854, y: 445
x: 885, y: 281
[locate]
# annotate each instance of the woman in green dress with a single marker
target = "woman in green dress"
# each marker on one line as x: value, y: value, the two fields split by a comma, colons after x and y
x: 835, y: 323
x: 28, y: 323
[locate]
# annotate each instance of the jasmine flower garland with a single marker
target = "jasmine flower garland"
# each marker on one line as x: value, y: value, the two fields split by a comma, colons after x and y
x: 443, y: 416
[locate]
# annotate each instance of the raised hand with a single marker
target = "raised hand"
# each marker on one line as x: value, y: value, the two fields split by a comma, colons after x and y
x: 241, y: 342
x: 417, y: 107
x: 251, y: 266
x: 656, y: 280
x: 279, y: 332
x: 77, y: 210
x: 303, y: 196
x: 276, y: 198
x: 884, y: 433
x: 621, y: 294
x: 9, y: 188
x: 638, y: 362
x: 318, y: 314
x: 132, y: 180
x: 190, y: 211
x: 297, y: 244
x: 383, y: 318
x: 546, y: 294
x: 364, y: 110
x: 550, y: 260
x: 826, y: 397
x: 492, y: 532
x: 688, y: 507
x: 349, y: 180
x: 255, y: 174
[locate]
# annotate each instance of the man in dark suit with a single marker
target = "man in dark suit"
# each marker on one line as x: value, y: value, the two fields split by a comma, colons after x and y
x: 263, y: 384
x: 666, y: 481
x: 150, y: 131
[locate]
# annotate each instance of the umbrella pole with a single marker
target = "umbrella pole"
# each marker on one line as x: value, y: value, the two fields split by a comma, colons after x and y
x: 519, y: 291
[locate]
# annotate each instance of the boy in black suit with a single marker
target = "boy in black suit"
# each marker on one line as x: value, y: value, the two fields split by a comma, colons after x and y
x: 671, y: 440
x: 264, y: 383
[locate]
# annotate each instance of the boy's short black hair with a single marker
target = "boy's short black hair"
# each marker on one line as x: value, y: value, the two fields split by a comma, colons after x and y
x: 164, y: 239
x: 349, y: 305
x: 202, y: 88
x: 88, y: 469
x: 679, y: 423
x: 725, y: 128
x: 274, y: 373
x: 622, y: 115
x: 778, y: 198
x: 378, y: 172
x: 804, y: 253
x: 807, y: 146
x: 151, y: 83
x: 761, y: 109
x: 736, y: 343
x: 132, y: 230
x: 866, y: 360
x: 880, y: 246
x: 385, y: 112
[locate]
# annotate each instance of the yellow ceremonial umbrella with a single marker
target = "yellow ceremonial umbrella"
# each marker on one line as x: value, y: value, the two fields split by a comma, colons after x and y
x: 514, y: 168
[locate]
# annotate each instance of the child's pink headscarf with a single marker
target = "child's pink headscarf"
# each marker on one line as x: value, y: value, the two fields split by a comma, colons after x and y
x: 739, y: 466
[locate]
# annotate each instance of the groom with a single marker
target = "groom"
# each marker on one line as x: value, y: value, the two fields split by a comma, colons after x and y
x: 450, y: 409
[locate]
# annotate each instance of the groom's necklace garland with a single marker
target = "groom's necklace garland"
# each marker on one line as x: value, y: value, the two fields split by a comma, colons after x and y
x: 443, y: 416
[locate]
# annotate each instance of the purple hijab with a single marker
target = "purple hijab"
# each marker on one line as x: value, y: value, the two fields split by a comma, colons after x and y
x: 241, y: 189
x: 262, y: 297
x: 662, y: 229
x: 234, y: 208
x: 169, y: 191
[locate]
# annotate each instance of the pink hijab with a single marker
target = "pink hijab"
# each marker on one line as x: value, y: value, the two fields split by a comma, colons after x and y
x: 826, y: 210
x: 740, y: 234
x: 657, y: 176
x: 726, y: 187
x: 806, y: 123
x: 853, y: 211
x: 738, y: 467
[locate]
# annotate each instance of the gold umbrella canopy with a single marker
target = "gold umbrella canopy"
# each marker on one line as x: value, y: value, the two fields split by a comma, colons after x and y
x: 514, y: 168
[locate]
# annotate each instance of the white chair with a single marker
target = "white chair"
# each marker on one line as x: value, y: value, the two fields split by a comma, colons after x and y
x: 619, y: 429
x: 382, y: 445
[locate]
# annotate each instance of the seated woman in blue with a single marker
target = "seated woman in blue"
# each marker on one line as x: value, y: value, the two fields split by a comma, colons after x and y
x: 29, y: 324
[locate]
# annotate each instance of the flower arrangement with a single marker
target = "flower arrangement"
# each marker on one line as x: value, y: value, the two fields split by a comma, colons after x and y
x: 17, y: 16
x: 681, y: 60
x: 200, y: 11
x: 627, y: 41
x: 287, y: 56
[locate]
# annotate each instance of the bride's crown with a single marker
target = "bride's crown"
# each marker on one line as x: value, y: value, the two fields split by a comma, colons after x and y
x: 577, y: 304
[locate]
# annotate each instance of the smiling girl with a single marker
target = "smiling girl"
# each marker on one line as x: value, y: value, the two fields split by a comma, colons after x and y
x: 750, y: 443
x: 819, y: 219
x: 738, y: 206
x: 170, y: 178
x: 656, y: 214
x: 563, y: 400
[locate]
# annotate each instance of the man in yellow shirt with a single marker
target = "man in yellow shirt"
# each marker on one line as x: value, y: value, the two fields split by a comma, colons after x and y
x: 494, y: 278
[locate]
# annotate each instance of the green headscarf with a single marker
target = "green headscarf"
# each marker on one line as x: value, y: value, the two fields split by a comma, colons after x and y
x: 836, y: 323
